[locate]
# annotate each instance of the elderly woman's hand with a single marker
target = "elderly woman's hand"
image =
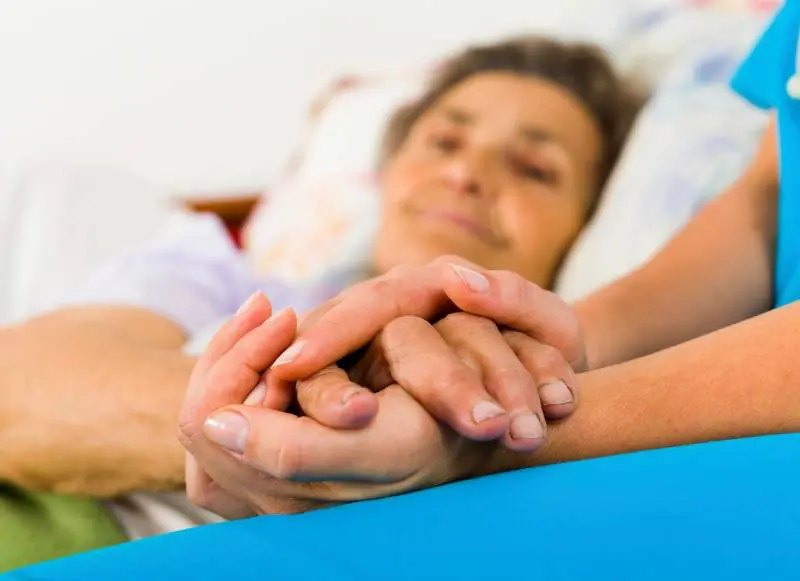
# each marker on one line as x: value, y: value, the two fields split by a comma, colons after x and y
x: 248, y: 459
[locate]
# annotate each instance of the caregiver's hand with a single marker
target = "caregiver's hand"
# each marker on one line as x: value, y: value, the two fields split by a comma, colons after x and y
x: 374, y: 309
x: 349, y: 321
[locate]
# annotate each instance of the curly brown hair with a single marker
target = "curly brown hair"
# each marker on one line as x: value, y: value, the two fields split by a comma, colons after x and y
x: 582, y: 68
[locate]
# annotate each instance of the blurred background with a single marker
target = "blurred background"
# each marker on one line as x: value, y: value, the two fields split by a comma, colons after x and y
x: 114, y: 114
x: 206, y: 95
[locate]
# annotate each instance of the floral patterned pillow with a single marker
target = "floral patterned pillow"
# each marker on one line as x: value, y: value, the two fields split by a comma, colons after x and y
x: 691, y: 141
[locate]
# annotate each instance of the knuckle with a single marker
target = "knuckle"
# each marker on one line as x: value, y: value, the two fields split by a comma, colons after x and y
x: 184, y: 439
x: 514, y: 288
x: 187, y: 426
x: 290, y: 459
x: 383, y: 285
x: 465, y: 322
x: 281, y: 506
x: 515, y: 388
x: 401, y: 327
x: 200, y: 494
x: 516, y: 340
x: 399, y: 271
x: 308, y: 392
x: 549, y: 360
x: 457, y: 377
x: 512, y: 378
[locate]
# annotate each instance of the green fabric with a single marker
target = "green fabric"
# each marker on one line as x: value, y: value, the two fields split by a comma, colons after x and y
x: 35, y: 527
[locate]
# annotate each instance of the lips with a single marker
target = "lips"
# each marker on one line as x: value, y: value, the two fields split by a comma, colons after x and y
x: 462, y: 220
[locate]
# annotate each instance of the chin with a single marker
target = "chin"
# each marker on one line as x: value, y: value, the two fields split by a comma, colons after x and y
x: 423, y: 251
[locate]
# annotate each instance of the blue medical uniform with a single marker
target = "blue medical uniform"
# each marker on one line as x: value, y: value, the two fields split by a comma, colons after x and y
x: 763, y: 80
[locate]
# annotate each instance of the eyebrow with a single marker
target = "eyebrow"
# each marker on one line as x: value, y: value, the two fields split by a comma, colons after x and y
x: 535, y: 135
x: 538, y: 136
x: 458, y: 116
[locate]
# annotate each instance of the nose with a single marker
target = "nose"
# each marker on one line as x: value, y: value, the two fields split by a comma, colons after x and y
x: 469, y: 173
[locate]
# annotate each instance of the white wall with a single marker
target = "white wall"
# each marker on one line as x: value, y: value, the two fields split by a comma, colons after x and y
x: 208, y: 94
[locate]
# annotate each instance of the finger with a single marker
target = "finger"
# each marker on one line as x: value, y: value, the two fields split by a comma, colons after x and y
x: 203, y: 492
x: 423, y: 364
x: 509, y: 299
x: 361, y: 314
x: 238, y: 372
x: 299, y: 449
x: 311, y: 318
x: 252, y: 313
x: 372, y: 370
x: 505, y: 378
x: 330, y: 398
x: 556, y: 382
x: 280, y: 393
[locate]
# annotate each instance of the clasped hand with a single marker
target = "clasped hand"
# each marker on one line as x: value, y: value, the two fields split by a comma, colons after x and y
x: 366, y: 398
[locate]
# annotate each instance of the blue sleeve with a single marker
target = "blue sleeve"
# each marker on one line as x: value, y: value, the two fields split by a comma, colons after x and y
x: 761, y: 78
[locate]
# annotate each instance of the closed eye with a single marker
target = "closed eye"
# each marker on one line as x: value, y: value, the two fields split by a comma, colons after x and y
x: 445, y: 143
x: 533, y: 172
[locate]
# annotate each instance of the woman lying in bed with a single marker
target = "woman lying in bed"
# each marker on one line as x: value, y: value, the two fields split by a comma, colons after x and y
x: 500, y: 162
x: 691, y: 347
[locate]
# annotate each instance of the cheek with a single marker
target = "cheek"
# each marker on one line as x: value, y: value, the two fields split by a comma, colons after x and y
x: 545, y: 226
x: 400, y: 181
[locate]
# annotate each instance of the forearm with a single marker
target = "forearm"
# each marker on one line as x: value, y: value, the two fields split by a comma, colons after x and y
x: 715, y: 273
x: 740, y: 381
x: 89, y: 405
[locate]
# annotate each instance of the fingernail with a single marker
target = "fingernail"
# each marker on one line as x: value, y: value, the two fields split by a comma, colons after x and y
x: 527, y: 427
x: 350, y: 394
x: 485, y: 410
x: 248, y: 303
x: 290, y: 354
x: 474, y: 280
x: 258, y: 394
x: 555, y: 393
x: 228, y: 429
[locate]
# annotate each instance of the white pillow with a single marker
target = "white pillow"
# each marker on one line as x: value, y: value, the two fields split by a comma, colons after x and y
x: 319, y: 228
x: 691, y: 141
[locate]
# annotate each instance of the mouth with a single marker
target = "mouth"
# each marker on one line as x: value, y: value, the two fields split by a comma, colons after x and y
x: 463, y: 221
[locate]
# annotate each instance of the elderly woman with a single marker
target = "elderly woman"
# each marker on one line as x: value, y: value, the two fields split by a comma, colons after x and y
x: 501, y: 161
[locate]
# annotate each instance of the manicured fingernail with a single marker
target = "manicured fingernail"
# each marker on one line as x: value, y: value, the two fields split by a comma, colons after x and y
x: 248, y: 303
x: 290, y: 354
x: 555, y: 393
x: 485, y: 410
x: 474, y: 280
x: 228, y: 429
x: 258, y: 394
x: 527, y: 427
x: 350, y: 394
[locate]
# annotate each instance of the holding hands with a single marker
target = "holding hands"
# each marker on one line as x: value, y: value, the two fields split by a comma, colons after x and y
x: 386, y: 401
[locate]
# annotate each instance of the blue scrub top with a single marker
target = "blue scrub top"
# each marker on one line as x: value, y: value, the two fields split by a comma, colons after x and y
x: 762, y: 79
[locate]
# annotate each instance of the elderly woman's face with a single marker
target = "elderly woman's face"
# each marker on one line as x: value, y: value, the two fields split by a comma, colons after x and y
x: 501, y: 170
